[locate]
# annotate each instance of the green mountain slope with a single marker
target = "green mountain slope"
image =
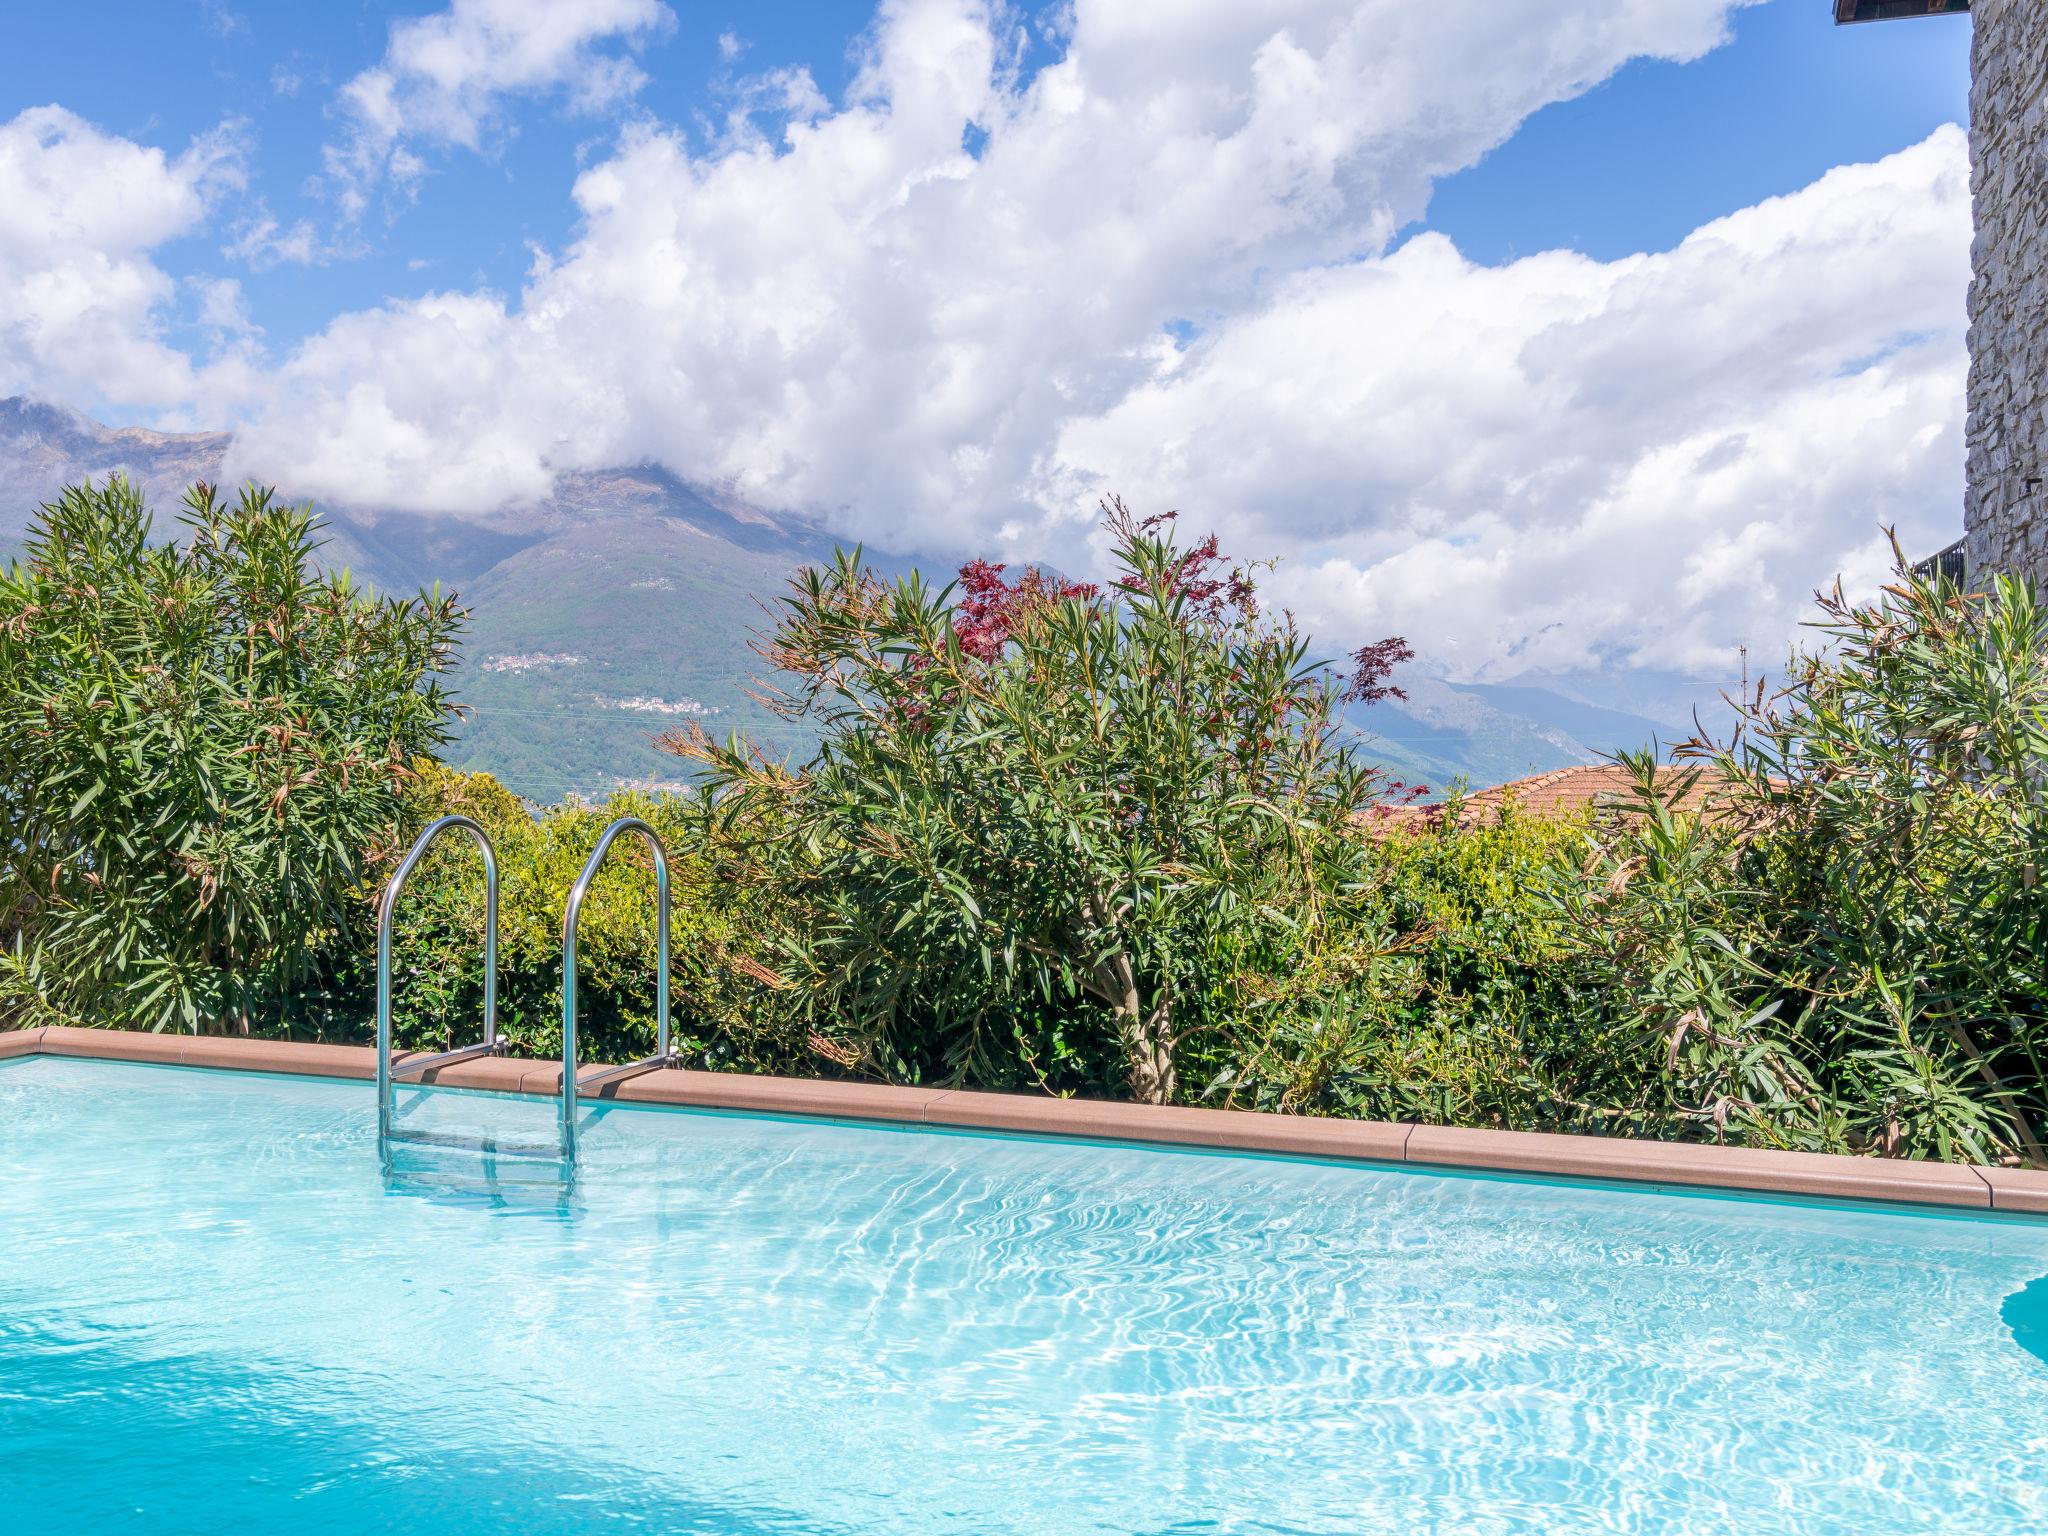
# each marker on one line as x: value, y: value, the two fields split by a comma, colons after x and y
x: 623, y: 607
x: 585, y: 646
x: 1446, y: 731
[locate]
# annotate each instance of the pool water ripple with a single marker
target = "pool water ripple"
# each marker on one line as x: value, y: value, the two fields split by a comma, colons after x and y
x: 219, y: 1312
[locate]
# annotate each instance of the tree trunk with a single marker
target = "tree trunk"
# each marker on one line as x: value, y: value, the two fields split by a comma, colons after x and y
x: 1148, y: 1045
x: 1152, y: 1075
x: 1147, y: 1038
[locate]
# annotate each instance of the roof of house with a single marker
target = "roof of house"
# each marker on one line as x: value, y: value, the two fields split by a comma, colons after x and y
x: 1560, y: 792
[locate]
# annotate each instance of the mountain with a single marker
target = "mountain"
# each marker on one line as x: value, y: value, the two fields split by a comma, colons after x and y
x: 623, y: 605
x: 629, y: 617
x: 1485, y: 734
x: 619, y: 608
x: 44, y: 448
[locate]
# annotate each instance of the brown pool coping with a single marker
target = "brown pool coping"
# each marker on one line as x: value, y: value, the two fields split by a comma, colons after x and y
x: 1613, y: 1159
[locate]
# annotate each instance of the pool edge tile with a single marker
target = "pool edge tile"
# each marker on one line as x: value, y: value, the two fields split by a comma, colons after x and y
x: 1615, y: 1159
x: 491, y: 1074
x: 223, y: 1052
x: 1693, y: 1164
x: 1234, y: 1130
x: 765, y: 1095
x: 21, y: 1042
x: 2016, y: 1189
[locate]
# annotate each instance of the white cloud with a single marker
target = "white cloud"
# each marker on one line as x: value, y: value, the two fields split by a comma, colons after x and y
x: 81, y: 299
x: 861, y: 318
x: 1564, y: 463
x: 936, y: 315
x: 445, y: 78
x: 221, y: 21
x: 223, y: 310
x: 262, y: 242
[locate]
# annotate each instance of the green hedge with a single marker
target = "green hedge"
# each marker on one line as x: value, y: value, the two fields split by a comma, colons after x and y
x: 721, y: 1016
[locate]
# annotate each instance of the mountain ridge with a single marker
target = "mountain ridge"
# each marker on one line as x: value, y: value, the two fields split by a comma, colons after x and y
x: 622, y: 605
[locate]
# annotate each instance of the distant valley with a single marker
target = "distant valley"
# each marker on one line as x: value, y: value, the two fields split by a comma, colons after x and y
x: 622, y: 607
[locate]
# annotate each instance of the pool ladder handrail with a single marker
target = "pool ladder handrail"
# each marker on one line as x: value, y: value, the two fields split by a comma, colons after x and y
x: 387, y: 908
x: 663, y: 1055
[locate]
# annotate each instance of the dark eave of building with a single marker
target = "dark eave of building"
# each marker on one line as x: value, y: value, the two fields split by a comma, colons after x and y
x: 1847, y: 11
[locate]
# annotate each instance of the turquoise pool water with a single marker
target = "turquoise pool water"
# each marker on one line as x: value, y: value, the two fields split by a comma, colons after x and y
x: 217, y: 1313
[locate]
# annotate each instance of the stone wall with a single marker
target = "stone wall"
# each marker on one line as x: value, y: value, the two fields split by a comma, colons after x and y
x: 2005, y: 509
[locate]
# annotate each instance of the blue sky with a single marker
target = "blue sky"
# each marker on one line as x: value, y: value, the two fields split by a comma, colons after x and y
x: 1635, y: 164
x: 1658, y: 150
x: 940, y: 275
x: 164, y: 71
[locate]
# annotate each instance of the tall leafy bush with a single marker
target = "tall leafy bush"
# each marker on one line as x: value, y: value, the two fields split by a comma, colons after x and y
x: 202, y: 748
x: 1453, y: 1003
x: 1845, y: 949
x: 1053, y: 834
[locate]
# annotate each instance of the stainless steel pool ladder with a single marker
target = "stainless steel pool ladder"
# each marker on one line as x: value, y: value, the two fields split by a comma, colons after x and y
x: 663, y: 1056
x: 490, y: 1045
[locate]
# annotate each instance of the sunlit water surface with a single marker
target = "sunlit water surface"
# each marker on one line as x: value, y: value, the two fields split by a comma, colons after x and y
x: 218, y: 1313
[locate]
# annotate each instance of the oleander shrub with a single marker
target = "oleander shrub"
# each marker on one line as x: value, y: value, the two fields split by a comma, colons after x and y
x: 203, y: 745
x: 1054, y: 835
x: 1823, y: 933
x: 1845, y: 951
x: 1106, y: 842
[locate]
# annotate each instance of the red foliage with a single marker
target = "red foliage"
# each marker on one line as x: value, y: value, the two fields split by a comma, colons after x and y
x: 1374, y: 664
x: 990, y: 608
x: 1195, y: 577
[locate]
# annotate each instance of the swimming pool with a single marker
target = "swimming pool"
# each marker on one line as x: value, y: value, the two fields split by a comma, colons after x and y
x: 217, y: 1312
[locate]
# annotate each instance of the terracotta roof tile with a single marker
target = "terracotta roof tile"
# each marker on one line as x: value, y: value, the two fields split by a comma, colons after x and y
x: 1560, y: 792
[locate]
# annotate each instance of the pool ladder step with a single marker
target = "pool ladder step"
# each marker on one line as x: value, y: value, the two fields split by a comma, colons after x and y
x: 588, y: 1081
x: 488, y: 1146
x: 388, y: 1071
x: 416, y: 1064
